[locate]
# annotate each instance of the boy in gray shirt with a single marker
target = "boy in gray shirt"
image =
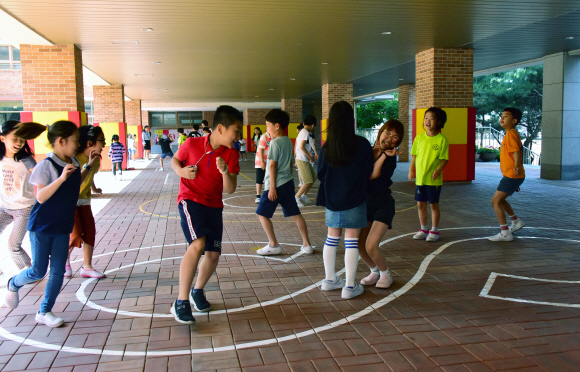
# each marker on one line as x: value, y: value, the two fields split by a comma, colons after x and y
x: 279, y: 184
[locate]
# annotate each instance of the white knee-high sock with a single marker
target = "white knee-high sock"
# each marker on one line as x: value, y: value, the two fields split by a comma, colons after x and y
x: 329, y: 256
x: 350, y: 260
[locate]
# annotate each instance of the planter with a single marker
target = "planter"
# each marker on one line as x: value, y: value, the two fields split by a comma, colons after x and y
x: 477, y: 157
x: 488, y: 156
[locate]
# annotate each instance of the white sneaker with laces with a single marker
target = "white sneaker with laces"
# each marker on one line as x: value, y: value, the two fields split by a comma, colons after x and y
x: 516, y: 225
x: 304, y: 199
x: 422, y: 234
x: 372, y: 279
x: 350, y: 292
x: 257, y: 200
x: 433, y: 236
x: 307, y: 250
x: 267, y: 250
x: 501, y: 237
x: 299, y: 202
x: 49, y: 319
x: 328, y: 285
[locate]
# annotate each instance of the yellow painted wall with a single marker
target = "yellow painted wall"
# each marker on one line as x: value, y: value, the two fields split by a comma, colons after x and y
x: 41, y: 146
x: 456, y: 127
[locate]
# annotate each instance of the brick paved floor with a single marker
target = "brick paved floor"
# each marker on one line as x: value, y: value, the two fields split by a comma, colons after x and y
x: 269, y: 314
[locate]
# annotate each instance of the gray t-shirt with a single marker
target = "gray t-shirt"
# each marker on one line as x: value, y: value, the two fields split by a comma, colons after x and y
x: 281, y: 151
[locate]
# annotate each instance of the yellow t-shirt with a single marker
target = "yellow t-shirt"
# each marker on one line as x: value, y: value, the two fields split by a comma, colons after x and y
x: 429, y: 152
x: 85, y: 193
x: 182, y: 139
x: 511, y: 142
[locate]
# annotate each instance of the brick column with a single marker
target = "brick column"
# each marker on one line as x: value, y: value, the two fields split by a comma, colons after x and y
x: 332, y: 93
x: 253, y: 118
x: 109, y: 102
x: 134, y: 125
x: 293, y: 106
x: 406, y: 104
x: 444, y: 78
x: 145, y: 118
x: 208, y: 115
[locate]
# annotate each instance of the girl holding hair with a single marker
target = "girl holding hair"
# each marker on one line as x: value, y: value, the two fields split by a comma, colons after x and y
x: 92, y: 141
x: 256, y: 138
x: 57, y: 179
x: 380, y: 204
x: 116, y: 154
x: 344, y: 167
x: 16, y: 193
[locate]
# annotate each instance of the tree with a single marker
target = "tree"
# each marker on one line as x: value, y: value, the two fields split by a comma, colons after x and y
x: 371, y: 114
x: 520, y: 88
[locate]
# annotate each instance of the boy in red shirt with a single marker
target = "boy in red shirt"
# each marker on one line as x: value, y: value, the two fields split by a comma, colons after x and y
x: 512, y: 168
x: 207, y: 166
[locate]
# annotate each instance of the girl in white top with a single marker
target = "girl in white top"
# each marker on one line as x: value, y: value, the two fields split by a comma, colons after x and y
x: 17, y: 194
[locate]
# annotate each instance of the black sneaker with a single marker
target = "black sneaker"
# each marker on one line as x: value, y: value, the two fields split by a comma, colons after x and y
x: 182, y: 313
x: 199, y: 301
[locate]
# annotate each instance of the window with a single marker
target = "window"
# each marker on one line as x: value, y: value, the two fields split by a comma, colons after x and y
x: 9, y: 58
x: 10, y: 110
x: 174, y: 119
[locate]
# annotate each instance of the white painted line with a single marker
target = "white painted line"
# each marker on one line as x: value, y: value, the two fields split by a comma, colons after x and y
x: 166, y: 177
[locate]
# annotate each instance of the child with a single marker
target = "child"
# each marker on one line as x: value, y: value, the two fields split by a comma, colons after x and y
x: 146, y: 142
x: 204, y: 124
x: 16, y: 193
x: 195, y: 132
x: 279, y: 184
x: 344, y: 167
x: 182, y: 137
x: 304, y: 159
x: 57, y: 179
x: 165, y: 143
x: 206, y: 131
x: 380, y: 204
x: 262, y: 147
x: 130, y: 145
x: 207, y: 166
x: 512, y: 168
x: 92, y: 141
x: 430, y: 154
x: 243, y: 149
x: 116, y: 154
x: 256, y: 138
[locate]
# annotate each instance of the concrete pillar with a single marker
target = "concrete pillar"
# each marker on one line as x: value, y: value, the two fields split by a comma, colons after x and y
x: 293, y: 106
x: 134, y: 124
x: 332, y: 93
x: 406, y: 106
x: 444, y: 78
x: 560, y: 118
x: 253, y: 118
x: 109, y: 103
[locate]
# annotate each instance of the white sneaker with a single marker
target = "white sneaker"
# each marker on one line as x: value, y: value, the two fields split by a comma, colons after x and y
x: 307, y: 250
x: 267, y: 250
x: 299, y: 202
x: 328, y: 285
x: 422, y: 234
x: 350, y: 292
x: 305, y: 199
x: 385, y: 281
x: 257, y: 200
x: 161, y: 169
x: 372, y: 279
x: 68, y: 271
x: 433, y: 236
x: 11, y: 299
x: 516, y: 225
x: 49, y: 319
x: 121, y: 178
x: 502, y: 238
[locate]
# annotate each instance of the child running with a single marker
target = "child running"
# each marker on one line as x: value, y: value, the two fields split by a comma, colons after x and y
x: 380, y: 204
x: 344, y: 167
x: 116, y: 154
x: 207, y: 166
x: 92, y: 141
x: 430, y: 154
x: 262, y: 147
x: 16, y: 193
x: 279, y: 184
x: 165, y: 143
x: 512, y: 168
x: 57, y: 179
x: 307, y: 175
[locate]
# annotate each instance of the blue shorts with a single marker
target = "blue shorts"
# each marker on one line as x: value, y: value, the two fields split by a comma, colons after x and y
x: 198, y: 220
x: 166, y: 154
x: 355, y: 218
x: 286, y: 199
x: 427, y: 193
x: 510, y: 185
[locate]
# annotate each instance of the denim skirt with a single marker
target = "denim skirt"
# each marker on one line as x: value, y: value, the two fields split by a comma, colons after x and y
x: 355, y: 218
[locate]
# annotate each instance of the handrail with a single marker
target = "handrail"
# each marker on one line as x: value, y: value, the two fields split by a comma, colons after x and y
x: 494, y: 135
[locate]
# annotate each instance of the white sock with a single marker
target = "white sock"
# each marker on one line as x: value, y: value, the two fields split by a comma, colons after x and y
x: 434, y: 229
x: 385, y: 273
x: 350, y: 260
x: 329, y: 256
x: 375, y: 270
x: 424, y: 227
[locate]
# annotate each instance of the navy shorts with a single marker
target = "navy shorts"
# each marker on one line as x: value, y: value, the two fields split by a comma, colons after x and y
x: 260, y: 174
x: 198, y: 220
x: 286, y: 199
x: 383, y: 211
x: 427, y: 193
x: 166, y: 154
x: 510, y: 185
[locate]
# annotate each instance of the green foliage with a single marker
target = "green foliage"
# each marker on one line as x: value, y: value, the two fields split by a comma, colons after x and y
x: 371, y: 114
x: 520, y: 88
x: 483, y: 150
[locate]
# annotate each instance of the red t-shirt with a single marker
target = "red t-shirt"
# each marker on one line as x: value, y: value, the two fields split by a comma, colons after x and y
x: 207, y: 187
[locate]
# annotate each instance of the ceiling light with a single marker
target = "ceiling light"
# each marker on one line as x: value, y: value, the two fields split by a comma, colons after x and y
x: 143, y: 74
x: 257, y: 96
x: 570, y: 38
x: 292, y: 79
x: 162, y: 79
x: 324, y: 63
x: 401, y: 79
x: 387, y: 33
x: 271, y: 88
x: 165, y: 90
x: 156, y: 63
x: 125, y: 42
x: 298, y: 44
x: 147, y: 29
x: 360, y: 89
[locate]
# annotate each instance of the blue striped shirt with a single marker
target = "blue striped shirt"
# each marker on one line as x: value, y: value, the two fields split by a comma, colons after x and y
x: 116, y: 152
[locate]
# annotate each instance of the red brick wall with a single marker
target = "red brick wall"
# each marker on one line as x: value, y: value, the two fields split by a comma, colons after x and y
x: 444, y: 77
x: 208, y: 115
x: 109, y: 103
x: 332, y: 93
x: 404, y: 117
x: 145, y: 118
x: 293, y: 106
x: 255, y: 116
x: 133, y: 112
x: 10, y: 83
x: 52, y: 78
